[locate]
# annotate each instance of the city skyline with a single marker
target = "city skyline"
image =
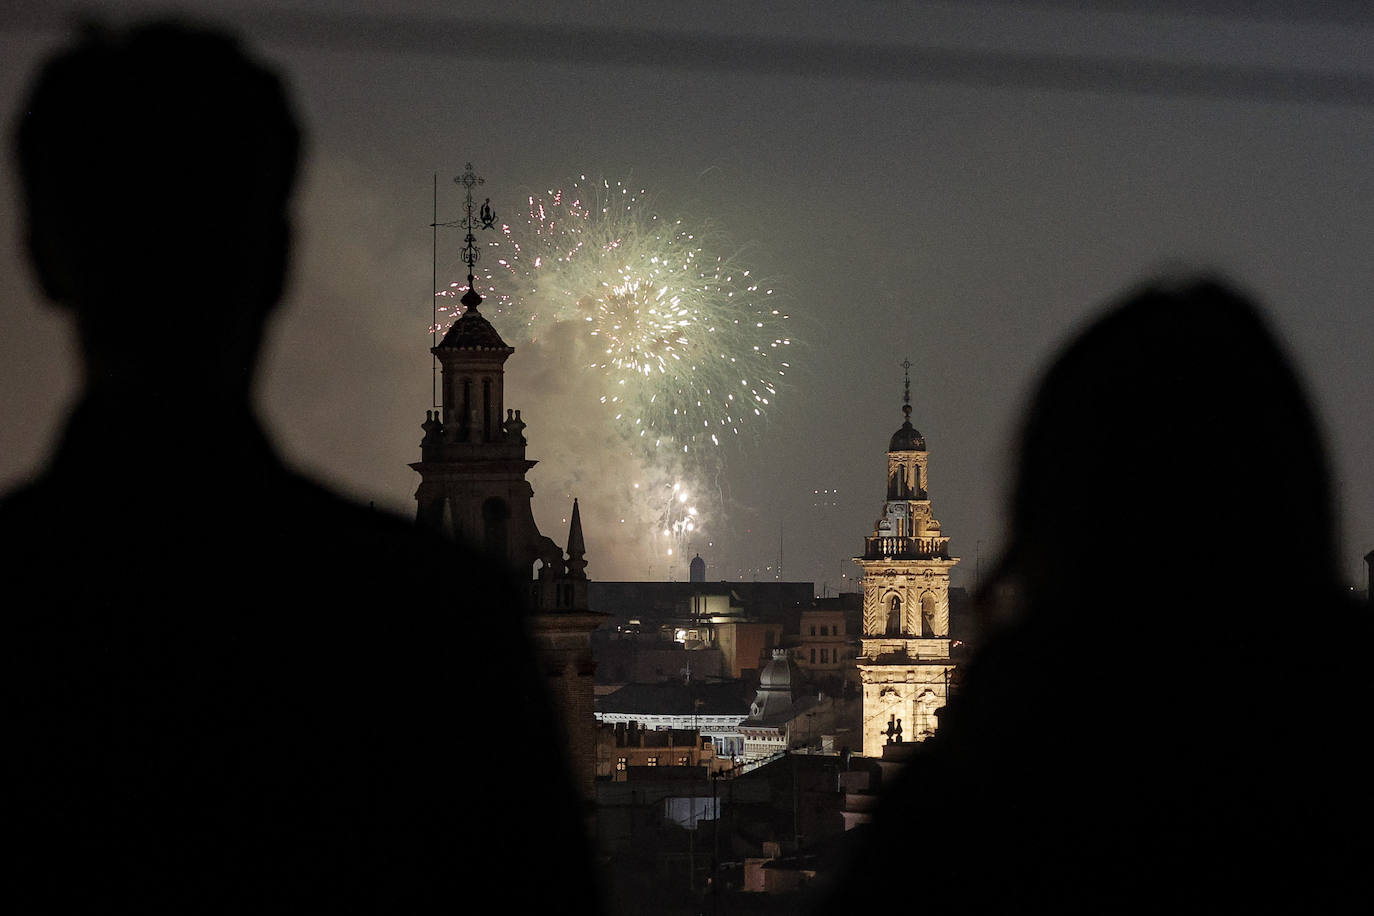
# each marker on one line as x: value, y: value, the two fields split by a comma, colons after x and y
x: 942, y: 216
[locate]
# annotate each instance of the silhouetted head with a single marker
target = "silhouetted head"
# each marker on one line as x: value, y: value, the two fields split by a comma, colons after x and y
x: 1169, y: 460
x: 157, y: 166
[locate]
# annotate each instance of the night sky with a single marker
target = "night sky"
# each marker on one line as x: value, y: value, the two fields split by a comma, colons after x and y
x: 958, y: 184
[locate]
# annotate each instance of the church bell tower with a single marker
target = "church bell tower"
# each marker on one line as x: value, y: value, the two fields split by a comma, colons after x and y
x: 472, y: 459
x: 472, y: 488
x: 905, y: 665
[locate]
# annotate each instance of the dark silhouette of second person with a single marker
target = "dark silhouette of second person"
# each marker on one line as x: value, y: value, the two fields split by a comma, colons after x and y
x: 226, y: 690
x: 1170, y: 717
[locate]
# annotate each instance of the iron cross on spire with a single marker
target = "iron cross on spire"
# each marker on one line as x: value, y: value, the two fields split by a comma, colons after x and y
x: 906, y: 389
x: 487, y: 217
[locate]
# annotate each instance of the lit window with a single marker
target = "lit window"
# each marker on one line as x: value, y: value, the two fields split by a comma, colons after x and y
x: 652, y: 761
x: 620, y: 763
x: 682, y: 761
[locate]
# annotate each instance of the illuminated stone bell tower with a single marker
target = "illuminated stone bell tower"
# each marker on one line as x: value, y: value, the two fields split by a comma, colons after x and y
x: 905, y: 664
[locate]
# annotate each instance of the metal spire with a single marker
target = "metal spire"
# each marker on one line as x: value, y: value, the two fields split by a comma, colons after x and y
x: 906, y: 392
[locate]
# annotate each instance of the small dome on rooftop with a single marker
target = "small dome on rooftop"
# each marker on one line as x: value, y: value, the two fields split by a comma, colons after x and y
x: 782, y: 673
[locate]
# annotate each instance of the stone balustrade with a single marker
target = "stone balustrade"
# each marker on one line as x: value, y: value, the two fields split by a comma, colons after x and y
x: 878, y: 547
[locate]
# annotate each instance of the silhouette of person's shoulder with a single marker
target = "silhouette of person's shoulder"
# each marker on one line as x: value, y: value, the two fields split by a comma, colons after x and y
x: 209, y: 508
x: 231, y: 685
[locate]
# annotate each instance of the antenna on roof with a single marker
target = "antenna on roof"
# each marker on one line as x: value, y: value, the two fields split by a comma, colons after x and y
x: 779, y: 550
x: 434, y: 296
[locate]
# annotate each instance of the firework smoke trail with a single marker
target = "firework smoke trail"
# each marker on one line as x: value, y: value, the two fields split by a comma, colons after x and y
x: 683, y: 347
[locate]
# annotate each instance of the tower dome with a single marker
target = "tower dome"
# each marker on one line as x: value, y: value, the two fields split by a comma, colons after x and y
x: 782, y: 673
x: 908, y: 438
x: 781, y: 686
x: 472, y: 331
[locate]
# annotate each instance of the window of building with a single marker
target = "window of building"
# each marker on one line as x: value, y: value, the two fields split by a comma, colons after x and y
x: 825, y: 631
x: 682, y: 760
x: 813, y: 629
x: 652, y: 762
x: 813, y: 656
x: 825, y: 656
x: 621, y: 763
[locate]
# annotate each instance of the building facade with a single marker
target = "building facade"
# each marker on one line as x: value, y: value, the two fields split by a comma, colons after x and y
x: 714, y: 710
x: 905, y: 663
x: 624, y: 747
x: 821, y: 646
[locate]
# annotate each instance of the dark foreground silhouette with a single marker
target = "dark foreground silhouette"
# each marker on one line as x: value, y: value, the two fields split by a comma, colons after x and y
x: 1172, y: 717
x: 225, y: 689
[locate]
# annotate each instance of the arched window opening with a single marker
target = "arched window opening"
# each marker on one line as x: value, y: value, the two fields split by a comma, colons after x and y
x: 894, y: 617
x: 465, y: 420
x: 486, y: 410
x: 928, y: 614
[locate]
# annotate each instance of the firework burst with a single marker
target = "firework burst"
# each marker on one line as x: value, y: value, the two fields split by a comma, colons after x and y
x: 688, y: 346
x: 681, y: 348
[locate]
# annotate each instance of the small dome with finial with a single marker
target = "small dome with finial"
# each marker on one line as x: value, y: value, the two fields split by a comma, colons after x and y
x: 908, y: 438
x: 472, y: 331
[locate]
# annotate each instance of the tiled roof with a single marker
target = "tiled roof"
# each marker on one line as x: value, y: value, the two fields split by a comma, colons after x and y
x: 473, y: 332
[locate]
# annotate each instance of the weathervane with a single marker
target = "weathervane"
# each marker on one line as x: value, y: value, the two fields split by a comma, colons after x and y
x: 487, y: 216
x: 906, y: 392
